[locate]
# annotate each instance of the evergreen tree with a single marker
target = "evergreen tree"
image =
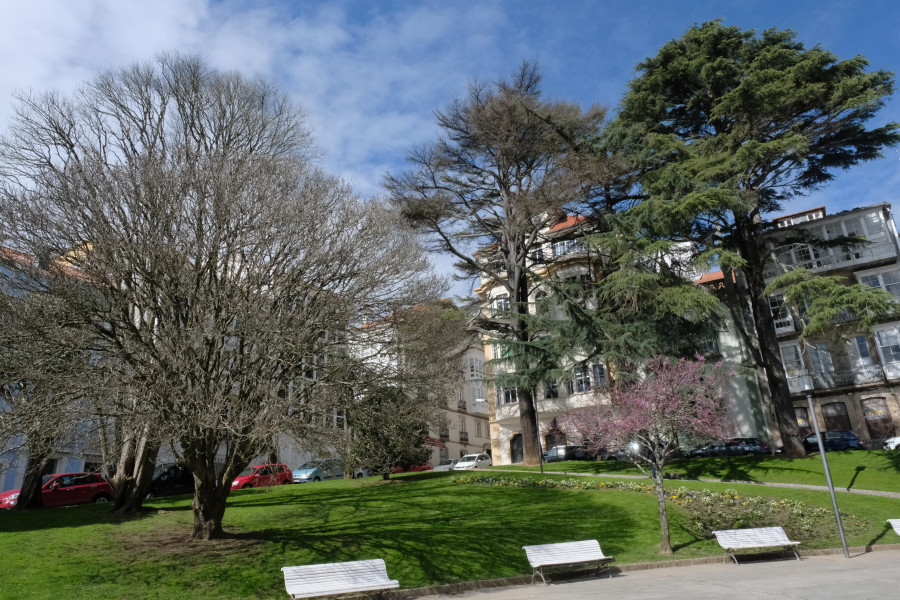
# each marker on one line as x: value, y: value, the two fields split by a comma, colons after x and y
x: 724, y: 125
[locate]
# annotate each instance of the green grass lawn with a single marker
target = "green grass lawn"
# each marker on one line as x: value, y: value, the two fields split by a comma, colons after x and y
x: 861, y: 470
x: 428, y: 530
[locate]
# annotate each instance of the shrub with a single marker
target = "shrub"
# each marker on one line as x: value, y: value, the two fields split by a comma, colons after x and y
x: 706, y: 511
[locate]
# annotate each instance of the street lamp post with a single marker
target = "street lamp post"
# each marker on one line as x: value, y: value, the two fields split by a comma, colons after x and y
x: 815, y: 422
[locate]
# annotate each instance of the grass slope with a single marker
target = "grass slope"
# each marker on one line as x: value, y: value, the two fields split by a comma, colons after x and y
x: 428, y: 530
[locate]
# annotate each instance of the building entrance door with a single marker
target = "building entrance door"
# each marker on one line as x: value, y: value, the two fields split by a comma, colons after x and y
x: 516, y: 451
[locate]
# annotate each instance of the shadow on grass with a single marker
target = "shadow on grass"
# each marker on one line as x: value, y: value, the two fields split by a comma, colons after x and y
x: 66, y: 517
x: 434, y: 533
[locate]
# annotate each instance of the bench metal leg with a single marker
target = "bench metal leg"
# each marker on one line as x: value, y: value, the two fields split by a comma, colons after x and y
x: 538, y: 571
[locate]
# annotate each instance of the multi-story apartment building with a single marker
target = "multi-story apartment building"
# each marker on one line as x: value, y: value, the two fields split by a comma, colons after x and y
x: 465, y: 428
x: 855, y: 385
x: 561, y: 255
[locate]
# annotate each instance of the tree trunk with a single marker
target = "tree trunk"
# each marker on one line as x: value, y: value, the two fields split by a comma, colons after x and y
x: 531, y: 449
x: 665, y: 545
x: 134, y: 472
x: 208, y: 505
x: 749, y: 232
x: 30, y: 494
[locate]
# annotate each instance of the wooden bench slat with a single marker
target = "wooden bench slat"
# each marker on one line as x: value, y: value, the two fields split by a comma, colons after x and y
x: 754, y: 537
x: 564, y: 553
x: 326, y: 579
x: 895, y: 523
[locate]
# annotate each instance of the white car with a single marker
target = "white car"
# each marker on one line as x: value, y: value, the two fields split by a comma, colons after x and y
x: 892, y: 443
x: 446, y: 465
x: 473, y: 461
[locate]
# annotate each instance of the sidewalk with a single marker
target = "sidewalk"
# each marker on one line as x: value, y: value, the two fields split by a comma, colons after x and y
x: 873, y: 575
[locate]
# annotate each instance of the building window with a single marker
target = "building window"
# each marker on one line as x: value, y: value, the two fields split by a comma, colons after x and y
x: 888, y: 281
x: 562, y: 247
x: 478, y: 428
x: 462, y: 425
x: 792, y: 360
x: 582, y: 379
x: 889, y: 344
x: 599, y: 375
x: 780, y: 312
x: 820, y: 358
x: 340, y: 419
x: 500, y: 305
x: 551, y: 388
x: 858, y: 350
x: 835, y: 416
x: 507, y: 395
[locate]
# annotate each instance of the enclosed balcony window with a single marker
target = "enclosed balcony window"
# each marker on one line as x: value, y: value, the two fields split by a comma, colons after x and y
x: 888, y: 281
x: 562, y: 247
x: 500, y: 305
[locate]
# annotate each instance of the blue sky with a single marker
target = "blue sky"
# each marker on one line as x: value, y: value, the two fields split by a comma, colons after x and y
x: 370, y: 74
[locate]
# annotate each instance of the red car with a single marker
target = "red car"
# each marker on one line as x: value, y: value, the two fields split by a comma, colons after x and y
x: 65, y: 489
x: 262, y: 476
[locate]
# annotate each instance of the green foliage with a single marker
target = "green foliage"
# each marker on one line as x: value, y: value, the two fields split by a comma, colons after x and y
x: 708, y: 511
x: 831, y: 302
x: 389, y: 430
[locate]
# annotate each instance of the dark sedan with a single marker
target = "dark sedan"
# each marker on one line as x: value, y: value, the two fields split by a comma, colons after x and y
x: 834, y: 440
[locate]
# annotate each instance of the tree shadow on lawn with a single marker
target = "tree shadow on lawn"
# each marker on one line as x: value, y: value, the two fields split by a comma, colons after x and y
x: 733, y: 468
x: 66, y: 517
x: 465, y: 534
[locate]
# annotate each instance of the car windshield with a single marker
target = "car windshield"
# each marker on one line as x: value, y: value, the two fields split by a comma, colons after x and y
x: 247, y: 471
x: 45, y: 479
x: 308, y: 466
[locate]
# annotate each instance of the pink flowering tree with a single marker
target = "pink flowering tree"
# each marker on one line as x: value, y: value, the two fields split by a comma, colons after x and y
x: 672, y: 399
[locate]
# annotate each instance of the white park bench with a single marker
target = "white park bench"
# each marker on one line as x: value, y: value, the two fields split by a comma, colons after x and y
x: 329, y: 579
x: 895, y: 523
x: 759, y: 537
x: 565, y: 554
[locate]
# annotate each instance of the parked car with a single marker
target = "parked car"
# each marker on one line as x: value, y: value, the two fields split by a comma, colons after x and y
x: 170, y: 480
x: 732, y: 447
x: 320, y: 469
x: 66, y: 489
x: 709, y: 449
x: 446, y: 465
x: 559, y: 453
x: 743, y: 446
x: 473, y: 461
x: 620, y: 454
x: 262, y: 476
x: 834, y: 440
x: 892, y: 443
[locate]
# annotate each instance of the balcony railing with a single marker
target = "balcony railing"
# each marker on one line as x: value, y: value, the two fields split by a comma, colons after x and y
x: 444, y: 434
x: 463, y: 436
x: 462, y: 405
x: 833, y: 258
x: 832, y: 379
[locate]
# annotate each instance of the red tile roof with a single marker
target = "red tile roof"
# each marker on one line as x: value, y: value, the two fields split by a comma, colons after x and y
x: 567, y: 222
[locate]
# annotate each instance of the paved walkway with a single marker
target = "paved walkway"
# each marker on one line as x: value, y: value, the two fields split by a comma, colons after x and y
x: 873, y: 575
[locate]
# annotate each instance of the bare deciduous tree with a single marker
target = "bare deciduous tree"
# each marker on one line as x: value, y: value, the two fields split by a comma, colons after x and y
x: 222, y: 264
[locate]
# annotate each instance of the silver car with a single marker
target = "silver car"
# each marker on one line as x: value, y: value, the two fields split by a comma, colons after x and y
x: 892, y: 443
x: 446, y: 465
x: 473, y: 461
